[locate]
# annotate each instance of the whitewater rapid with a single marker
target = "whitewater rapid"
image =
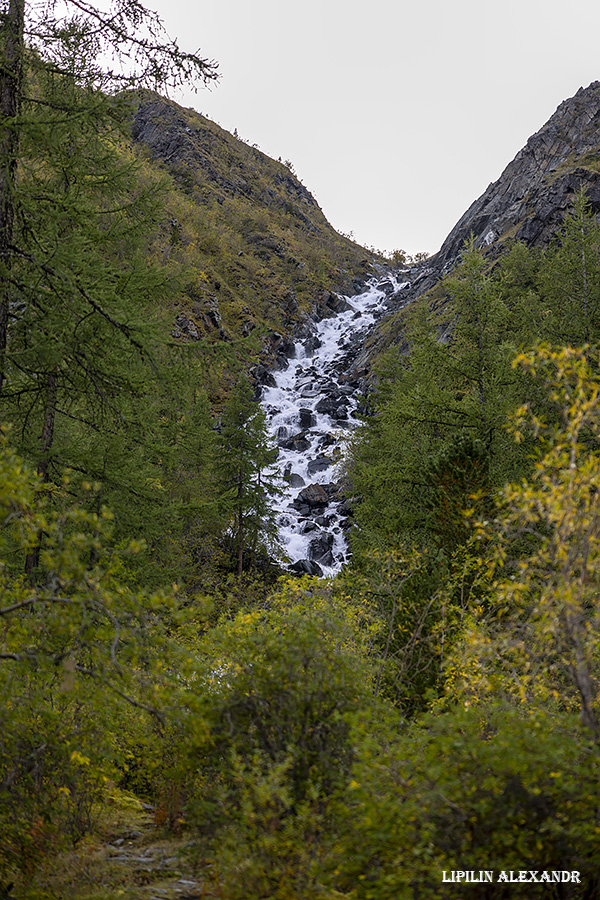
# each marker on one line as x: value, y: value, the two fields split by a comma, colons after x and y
x: 311, y: 413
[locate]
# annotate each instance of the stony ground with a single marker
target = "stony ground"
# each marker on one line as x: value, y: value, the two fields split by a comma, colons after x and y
x: 128, y: 858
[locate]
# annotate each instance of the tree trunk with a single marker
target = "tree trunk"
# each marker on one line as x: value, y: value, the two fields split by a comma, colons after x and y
x: 48, y: 426
x: 240, y: 544
x: 11, y: 76
x: 33, y: 558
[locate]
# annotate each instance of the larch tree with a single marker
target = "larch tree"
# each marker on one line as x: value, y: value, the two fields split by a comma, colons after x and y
x: 77, y: 344
x: 570, y: 279
x: 438, y: 432
x: 73, y: 41
x: 538, y: 642
x: 247, y: 477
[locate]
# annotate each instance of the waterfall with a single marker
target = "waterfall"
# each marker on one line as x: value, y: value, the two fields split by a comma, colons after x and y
x: 311, y: 412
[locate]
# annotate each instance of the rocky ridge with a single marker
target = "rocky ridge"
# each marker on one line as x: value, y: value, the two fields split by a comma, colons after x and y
x: 529, y: 200
x: 256, y: 244
x: 177, y: 139
x: 527, y: 203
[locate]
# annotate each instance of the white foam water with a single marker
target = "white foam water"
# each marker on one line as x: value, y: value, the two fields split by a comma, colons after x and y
x: 311, y: 381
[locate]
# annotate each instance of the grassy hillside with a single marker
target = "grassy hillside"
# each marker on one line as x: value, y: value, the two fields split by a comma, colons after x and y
x: 250, y: 242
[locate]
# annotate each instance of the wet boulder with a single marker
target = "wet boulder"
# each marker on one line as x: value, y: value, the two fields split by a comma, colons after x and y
x: 344, y: 509
x: 298, y: 442
x: 303, y: 509
x: 307, y: 527
x: 327, y: 440
x: 307, y: 567
x: 296, y: 481
x: 323, y: 521
x: 318, y: 465
x: 335, y: 303
x: 309, y: 392
x: 328, y: 405
x: 262, y: 376
x: 313, y: 495
x: 319, y: 549
x: 311, y: 344
x: 307, y: 419
x: 280, y: 345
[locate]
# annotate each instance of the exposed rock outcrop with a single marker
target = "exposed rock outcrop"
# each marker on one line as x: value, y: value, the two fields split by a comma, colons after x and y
x: 529, y: 200
x: 168, y: 132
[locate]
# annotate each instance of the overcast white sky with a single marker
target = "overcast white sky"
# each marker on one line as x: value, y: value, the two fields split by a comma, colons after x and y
x: 396, y: 115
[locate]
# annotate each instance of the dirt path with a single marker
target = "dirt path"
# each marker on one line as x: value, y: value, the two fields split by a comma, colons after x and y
x: 128, y: 859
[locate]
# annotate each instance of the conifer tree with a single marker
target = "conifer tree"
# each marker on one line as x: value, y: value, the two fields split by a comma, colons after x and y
x: 79, y: 346
x: 73, y: 41
x: 80, y: 352
x: 570, y: 279
x: 442, y: 406
x: 246, y: 473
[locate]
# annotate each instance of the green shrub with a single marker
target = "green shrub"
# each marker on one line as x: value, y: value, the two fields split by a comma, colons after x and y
x: 473, y: 789
x: 279, y: 688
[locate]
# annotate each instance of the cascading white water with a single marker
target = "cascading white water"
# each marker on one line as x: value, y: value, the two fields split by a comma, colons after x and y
x: 310, y: 412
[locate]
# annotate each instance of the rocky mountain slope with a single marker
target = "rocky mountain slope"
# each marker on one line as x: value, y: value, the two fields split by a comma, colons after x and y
x: 261, y: 252
x: 529, y: 200
x: 527, y: 203
x: 253, y: 245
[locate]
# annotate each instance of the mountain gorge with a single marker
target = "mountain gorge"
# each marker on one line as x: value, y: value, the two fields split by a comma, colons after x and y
x: 211, y: 400
x: 278, y: 262
x: 266, y: 251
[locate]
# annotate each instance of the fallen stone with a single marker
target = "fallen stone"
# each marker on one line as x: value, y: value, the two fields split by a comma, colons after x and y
x: 328, y: 405
x: 307, y: 527
x: 263, y: 376
x: 307, y: 418
x: 319, y: 549
x: 313, y: 495
x: 307, y: 567
x: 327, y: 440
x: 336, y: 303
x: 318, y: 465
x: 299, y: 442
x: 323, y: 521
x: 311, y: 344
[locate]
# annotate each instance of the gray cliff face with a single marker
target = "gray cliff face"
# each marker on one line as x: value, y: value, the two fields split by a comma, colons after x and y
x: 529, y: 200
